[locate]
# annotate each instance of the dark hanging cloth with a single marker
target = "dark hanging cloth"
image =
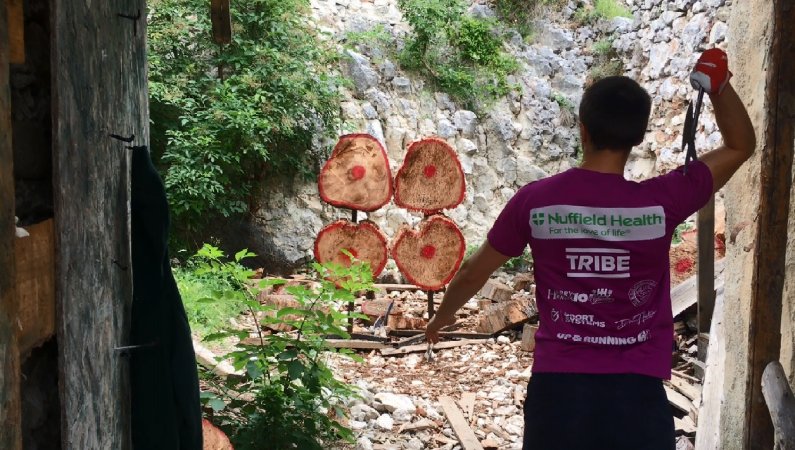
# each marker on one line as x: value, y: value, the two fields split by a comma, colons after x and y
x: 166, y: 412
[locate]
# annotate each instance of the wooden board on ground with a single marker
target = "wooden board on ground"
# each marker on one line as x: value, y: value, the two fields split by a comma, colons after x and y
x: 424, y: 347
x: 687, y: 388
x: 678, y: 400
x: 496, y: 291
x: 207, y: 358
x: 685, y: 294
x: 781, y: 404
x: 460, y: 425
x: 356, y: 344
x: 685, y: 425
x: 502, y: 316
x: 468, y: 404
x: 529, y: 337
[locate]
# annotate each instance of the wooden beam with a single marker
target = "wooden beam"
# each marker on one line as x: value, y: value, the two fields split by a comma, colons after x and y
x: 771, y: 232
x: 423, y: 347
x: 781, y: 404
x: 706, y: 265
x: 466, y: 437
x: 99, y: 88
x: 16, y: 31
x: 10, y: 412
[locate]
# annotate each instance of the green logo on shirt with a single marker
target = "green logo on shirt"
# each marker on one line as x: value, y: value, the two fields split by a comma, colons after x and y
x: 538, y: 218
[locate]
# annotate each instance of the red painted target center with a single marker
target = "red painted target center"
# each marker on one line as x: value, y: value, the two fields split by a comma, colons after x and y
x: 429, y: 171
x: 358, y: 172
x: 428, y: 252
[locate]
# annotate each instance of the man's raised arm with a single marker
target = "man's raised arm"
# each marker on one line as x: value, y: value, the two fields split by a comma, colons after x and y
x: 739, y: 140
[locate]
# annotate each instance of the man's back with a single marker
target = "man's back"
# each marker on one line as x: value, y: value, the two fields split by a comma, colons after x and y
x: 600, y: 249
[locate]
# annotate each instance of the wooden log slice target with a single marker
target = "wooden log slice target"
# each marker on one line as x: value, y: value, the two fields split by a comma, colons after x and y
x: 363, y: 240
x: 431, y: 256
x: 214, y: 438
x: 431, y: 178
x: 357, y: 175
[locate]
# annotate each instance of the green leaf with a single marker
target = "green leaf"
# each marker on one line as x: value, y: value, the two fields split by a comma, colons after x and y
x: 295, y: 369
x: 216, y: 404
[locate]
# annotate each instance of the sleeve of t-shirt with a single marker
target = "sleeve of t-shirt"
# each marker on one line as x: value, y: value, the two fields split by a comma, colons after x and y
x: 511, y: 231
x: 682, y: 193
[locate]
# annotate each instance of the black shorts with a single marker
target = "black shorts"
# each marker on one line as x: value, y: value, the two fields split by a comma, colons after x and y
x: 597, y: 412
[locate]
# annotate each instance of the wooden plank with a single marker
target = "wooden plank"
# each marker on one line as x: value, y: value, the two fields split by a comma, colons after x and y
x: 709, y: 410
x: 424, y: 347
x: 687, y: 388
x: 99, y: 88
x: 16, y: 31
x: 685, y: 294
x: 35, y: 278
x: 770, y: 251
x: 685, y: 425
x: 207, y: 358
x: 466, y: 436
x: 678, y: 400
x: 706, y: 266
x: 781, y: 404
x: 468, y: 404
x: 356, y: 344
x: 10, y: 402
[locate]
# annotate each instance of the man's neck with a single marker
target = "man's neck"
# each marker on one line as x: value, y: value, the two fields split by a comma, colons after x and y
x: 605, y: 161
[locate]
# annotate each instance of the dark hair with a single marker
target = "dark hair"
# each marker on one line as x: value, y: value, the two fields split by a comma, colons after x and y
x: 615, y: 112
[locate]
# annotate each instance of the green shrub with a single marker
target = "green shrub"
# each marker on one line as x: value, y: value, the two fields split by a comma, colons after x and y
x: 602, y: 9
x: 607, y: 62
x: 609, y: 9
x: 562, y: 101
x: 461, y: 54
x: 208, y: 299
x: 225, y: 118
x: 519, y: 14
x: 288, y: 396
x: 520, y: 263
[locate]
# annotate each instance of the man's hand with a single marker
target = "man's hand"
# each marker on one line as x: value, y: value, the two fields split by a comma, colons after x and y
x: 437, y: 323
x: 711, y: 72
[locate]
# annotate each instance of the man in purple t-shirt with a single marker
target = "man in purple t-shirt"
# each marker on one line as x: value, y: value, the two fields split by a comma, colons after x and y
x: 600, y: 249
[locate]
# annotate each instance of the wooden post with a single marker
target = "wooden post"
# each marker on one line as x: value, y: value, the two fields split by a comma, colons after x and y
x: 771, y: 232
x: 10, y: 412
x: 706, y: 265
x: 99, y: 88
x: 781, y: 405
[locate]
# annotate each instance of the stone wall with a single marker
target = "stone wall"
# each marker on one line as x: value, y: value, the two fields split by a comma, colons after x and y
x: 519, y: 139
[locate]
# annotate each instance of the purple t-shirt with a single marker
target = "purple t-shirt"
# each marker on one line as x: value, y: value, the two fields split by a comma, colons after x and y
x: 600, y: 254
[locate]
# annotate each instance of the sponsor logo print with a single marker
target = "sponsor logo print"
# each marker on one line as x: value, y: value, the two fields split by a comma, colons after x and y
x: 595, y: 297
x: 641, y: 292
x: 643, y: 336
x: 583, y: 319
x: 597, y: 263
x: 638, y: 319
x: 606, y: 224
